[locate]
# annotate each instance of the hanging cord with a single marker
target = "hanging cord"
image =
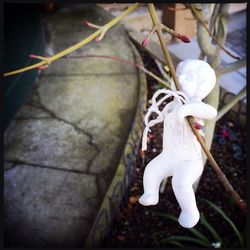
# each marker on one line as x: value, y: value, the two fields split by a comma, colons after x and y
x: 154, y: 108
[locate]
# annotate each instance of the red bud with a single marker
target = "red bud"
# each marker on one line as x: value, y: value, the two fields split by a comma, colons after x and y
x: 145, y: 42
x: 243, y: 206
x: 87, y: 23
x: 197, y: 125
x: 32, y: 56
x: 98, y: 39
x: 43, y: 67
x: 184, y: 39
x: 91, y: 25
x: 224, y: 133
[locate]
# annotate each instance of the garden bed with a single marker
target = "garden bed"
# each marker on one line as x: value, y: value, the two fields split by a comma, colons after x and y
x: 138, y: 226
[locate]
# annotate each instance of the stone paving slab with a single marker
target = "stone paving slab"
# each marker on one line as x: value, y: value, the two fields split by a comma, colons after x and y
x: 51, y: 205
x: 64, y: 144
x: 72, y: 30
x: 65, y: 21
x: 28, y: 110
x: 100, y: 99
x: 90, y: 66
x: 32, y: 141
x: 80, y: 66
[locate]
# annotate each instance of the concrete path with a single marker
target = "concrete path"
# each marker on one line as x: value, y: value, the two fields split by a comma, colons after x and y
x: 63, y: 146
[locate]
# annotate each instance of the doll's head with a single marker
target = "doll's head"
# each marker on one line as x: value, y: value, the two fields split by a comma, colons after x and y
x: 196, y: 77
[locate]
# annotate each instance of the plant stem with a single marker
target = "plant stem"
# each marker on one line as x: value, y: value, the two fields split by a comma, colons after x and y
x: 202, y: 55
x: 213, y: 58
x: 210, y: 34
x: 214, y: 164
x: 163, y: 44
x: 77, y: 45
x: 163, y: 72
x: 230, y: 67
x: 229, y: 105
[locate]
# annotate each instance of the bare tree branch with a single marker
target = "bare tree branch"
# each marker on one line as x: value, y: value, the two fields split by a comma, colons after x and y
x: 230, y: 104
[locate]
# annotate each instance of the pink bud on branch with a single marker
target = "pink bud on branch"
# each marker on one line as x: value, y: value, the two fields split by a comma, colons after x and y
x: 224, y: 133
x: 243, y: 206
x: 33, y: 56
x: 37, y: 57
x: 87, y: 23
x: 173, y: 33
x: 145, y: 42
x: 43, y: 67
x: 91, y: 25
x: 198, y: 126
x: 42, y: 59
x: 183, y: 38
x: 98, y: 39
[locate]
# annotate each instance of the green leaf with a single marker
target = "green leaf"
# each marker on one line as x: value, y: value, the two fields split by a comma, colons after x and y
x: 210, y: 228
x: 199, y: 235
x: 192, y: 230
x: 157, y: 233
x: 220, y: 211
x: 168, y: 216
x: 176, y: 243
x: 186, y: 238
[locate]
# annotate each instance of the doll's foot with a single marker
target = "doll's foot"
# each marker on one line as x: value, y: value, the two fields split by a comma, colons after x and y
x: 148, y: 199
x: 189, y: 220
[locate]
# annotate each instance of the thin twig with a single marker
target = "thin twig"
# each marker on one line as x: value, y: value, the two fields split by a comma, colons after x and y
x: 135, y: 65
x: 230, y: 67
x: 230, y: 104
x: 77, y: 45
x: 211, y: 35
x: 214, y: 15
x: 202, y: 55
x: 175, y: 34
x: 162, y: 70
x: 214, y: 164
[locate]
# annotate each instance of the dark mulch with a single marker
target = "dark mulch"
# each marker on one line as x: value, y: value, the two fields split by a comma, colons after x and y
x: 137, y: 226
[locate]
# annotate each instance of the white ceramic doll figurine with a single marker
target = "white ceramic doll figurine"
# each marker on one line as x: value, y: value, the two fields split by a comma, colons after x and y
x: 181, y: 156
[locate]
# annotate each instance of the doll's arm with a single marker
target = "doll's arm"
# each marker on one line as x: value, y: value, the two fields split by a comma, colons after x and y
x: 196, y: 109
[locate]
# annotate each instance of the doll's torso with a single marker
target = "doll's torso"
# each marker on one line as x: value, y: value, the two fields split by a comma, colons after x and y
x: 178, y: 138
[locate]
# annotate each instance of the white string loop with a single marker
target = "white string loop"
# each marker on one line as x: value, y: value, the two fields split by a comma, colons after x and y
x: 154, y: 108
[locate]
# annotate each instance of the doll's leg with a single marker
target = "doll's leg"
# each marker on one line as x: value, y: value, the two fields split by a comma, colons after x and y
x: 183, y: 179
x: 155, y: 172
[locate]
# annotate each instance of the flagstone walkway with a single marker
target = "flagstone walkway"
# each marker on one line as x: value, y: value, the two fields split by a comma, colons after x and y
x: 64, y: 144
